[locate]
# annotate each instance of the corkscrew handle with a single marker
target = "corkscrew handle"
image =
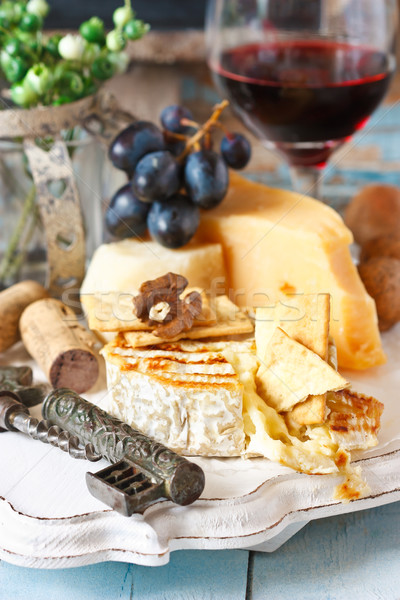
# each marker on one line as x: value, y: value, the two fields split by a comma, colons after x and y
x: 14, y: 416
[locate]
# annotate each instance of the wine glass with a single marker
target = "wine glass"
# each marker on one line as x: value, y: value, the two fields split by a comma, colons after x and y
x: 302, y: 75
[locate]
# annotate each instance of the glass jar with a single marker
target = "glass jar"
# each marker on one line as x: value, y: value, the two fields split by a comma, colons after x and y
x: 22, y: 237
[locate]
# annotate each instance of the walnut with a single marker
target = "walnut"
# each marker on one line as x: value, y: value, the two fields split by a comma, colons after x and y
x: 160, y: 306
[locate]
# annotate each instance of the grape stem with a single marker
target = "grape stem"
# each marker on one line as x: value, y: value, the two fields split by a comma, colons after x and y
x: 207, y: 141
x: 169, y: 135
x: 204, y: 129
x: 190, y: 123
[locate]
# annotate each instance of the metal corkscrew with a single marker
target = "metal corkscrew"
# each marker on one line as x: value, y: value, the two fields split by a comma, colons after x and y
x: 142, y: 470
x: 14, y: 416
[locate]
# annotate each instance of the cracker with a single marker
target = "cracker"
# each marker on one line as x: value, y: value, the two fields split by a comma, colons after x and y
x: 229, y: 321
x: 114, y: 312
x: 313, y: 410
x: 291, y: 372
x: 304, y: 317
x: 309, y: 412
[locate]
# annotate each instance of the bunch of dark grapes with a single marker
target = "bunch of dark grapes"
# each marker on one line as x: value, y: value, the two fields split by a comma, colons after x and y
x: 173, y: 173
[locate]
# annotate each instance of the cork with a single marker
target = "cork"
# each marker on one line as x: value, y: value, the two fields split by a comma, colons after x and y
x: 13, y: 302
x: 61, y: 346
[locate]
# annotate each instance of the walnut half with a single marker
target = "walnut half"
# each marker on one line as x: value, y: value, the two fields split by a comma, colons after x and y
x: 159, y: 304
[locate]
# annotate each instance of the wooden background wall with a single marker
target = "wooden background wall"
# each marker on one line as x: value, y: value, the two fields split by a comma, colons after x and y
x: 162, y: 14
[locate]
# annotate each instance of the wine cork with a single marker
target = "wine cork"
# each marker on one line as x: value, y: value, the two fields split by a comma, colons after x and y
x: 61, y: 346
x: 13, y: 302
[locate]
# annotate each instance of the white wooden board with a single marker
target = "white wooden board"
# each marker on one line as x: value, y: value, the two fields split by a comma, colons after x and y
x: 48, y: 518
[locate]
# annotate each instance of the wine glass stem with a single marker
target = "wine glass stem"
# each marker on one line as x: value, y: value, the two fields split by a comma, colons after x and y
x: 307, y: 181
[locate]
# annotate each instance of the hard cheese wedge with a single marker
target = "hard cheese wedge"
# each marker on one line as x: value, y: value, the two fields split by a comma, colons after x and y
x: 277, y: 241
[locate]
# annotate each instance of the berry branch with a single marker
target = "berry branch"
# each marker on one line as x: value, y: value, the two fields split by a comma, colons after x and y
x: 201, y: 132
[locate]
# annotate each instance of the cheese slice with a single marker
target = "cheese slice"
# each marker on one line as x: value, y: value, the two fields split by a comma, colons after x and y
x: 123, y: 266
x: 275, y: 241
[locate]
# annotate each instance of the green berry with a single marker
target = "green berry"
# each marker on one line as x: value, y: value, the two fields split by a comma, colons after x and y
x: 39, y: 78
x: 135, y: 29
x: 62, y: 100
x: 30, y: 22
x: 102, y: 68
x: 12, y: 11
x: 115, y: 41
x: 52, y: 45
x: 14, y: 47
x: 90, y: 87
x: 120, y: 60
x: 71, y: 47
x: 7, y: 11
x: 37, y: 7
x: 15, y: 68
x: 71, y: 84
x: 90, y: 52
x: 19, y: 11
x: 4, y: 22
x: 122, y: 15
x: 30, y: 41
x: 93, y: 30
x: 23, y: 95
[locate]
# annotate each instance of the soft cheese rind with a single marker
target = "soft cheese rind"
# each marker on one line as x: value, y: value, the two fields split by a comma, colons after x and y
x: 191, y: 401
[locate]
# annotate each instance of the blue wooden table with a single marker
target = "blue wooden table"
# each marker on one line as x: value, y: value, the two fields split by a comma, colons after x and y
x: 351, y: 557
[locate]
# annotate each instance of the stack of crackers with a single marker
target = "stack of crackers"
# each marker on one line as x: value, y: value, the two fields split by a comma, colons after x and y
x: 114, y: 313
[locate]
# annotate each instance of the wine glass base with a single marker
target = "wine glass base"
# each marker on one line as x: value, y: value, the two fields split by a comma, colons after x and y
x: 306, y: 161
x: 306, y: 154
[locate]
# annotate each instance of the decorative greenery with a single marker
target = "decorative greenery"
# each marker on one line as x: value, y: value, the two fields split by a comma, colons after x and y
x: 45, y: 70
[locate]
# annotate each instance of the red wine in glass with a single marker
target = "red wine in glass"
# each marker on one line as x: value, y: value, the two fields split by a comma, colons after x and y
x: 305, y: 98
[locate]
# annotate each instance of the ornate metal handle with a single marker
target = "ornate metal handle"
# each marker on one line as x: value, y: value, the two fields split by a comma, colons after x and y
x: 115, y: 440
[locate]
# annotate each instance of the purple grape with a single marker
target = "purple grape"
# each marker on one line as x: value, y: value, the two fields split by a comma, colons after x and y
x: 176, y: 147
x: 173, y: 224
x: 172, y: 116
x: 126, y: 216
x: 133, y: 143
x: 156, y: 177
x: 206, y: 178
x: 236, y: 150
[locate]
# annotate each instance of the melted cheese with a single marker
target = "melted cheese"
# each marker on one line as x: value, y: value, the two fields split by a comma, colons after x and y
x: 266, y: 432
x: 267, y: 435
x: 277, y: 241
